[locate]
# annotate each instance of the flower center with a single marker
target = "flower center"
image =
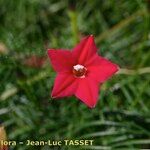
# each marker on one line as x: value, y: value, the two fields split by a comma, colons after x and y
x: 79, y: 71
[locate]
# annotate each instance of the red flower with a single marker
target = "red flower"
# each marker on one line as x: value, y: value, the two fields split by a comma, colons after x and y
x: 80, y: 71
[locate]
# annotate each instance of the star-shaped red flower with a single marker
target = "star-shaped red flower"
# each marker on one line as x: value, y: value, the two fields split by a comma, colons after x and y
x: 80, y: 71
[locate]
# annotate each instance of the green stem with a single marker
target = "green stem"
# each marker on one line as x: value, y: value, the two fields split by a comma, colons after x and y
x: 74, y: 25
x: 133, y: 72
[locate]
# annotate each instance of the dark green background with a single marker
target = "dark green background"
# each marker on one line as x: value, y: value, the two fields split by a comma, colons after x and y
x: 121, y: 119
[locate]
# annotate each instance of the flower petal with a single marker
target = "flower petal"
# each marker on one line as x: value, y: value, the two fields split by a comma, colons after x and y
x: 101, y: 69
x: 65, y: 85
x: 61, y: 60
x: 85, y: 49
x: 87, y: 91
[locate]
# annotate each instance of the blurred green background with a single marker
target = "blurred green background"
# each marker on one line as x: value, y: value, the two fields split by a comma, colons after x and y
x: 121, y: 119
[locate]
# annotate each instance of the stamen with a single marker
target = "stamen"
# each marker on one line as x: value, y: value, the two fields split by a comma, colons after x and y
x: 79, y: 71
